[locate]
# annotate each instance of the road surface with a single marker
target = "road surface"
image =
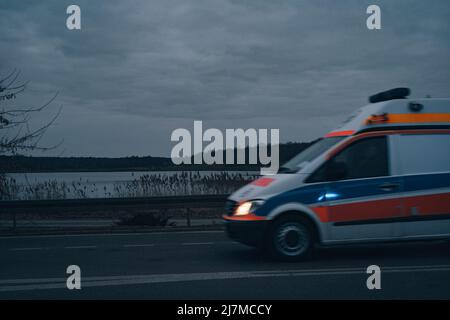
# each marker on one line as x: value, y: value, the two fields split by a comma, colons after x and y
x: 207, y: 265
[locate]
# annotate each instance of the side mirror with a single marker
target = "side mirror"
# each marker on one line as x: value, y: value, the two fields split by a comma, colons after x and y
x: 336, y: 171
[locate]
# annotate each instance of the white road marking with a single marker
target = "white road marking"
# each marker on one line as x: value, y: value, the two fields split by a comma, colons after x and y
x: 129, y: 245
x: 25, y: 249
x: 110, y: 234
x: 60, y: 283
x: 196, y: 243
x: 80, y: 247
x: 138, y: 245
x: 29, y: 281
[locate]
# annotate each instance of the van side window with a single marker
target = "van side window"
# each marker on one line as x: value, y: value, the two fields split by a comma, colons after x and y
x: 424, y: 153
x: 363, y: 159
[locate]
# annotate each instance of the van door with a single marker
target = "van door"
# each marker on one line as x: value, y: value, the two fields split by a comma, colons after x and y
x: 363, y: 202
x: 424, y: 160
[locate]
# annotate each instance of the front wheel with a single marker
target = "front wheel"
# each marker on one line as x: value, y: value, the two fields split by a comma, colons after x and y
x: 290, y: 239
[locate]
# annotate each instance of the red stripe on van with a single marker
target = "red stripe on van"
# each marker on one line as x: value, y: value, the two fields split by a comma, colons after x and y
x: 340, y: 133
x: 322, y: 213
x: 428, y: 204
x: 367, y: 210
x: 262, y: 182
x: 384, y: 208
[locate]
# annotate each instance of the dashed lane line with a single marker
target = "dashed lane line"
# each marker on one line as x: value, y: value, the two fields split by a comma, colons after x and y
x: 168, y: 233
x: 26, y: 249
x: 126, y: 245
x: 138, y: 245
x: 196, y: 243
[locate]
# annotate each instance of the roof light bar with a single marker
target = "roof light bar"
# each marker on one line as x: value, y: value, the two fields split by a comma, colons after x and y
x: 397, y: 93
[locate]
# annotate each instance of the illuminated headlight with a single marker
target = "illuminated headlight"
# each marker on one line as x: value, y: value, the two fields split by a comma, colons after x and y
x: 248, y: 207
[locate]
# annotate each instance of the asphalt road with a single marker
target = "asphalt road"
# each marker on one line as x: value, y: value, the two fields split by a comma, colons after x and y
x: 206, y: 265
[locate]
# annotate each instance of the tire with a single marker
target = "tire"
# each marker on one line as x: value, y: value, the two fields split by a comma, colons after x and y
x: 290, y: 239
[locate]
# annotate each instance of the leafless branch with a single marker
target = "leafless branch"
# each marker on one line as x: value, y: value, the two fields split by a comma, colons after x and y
x: 32, y: 109
x: 15, y: 131
x: 8, y: 76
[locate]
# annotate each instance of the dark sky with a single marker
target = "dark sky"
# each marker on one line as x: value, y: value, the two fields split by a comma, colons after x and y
x: 137, y: 70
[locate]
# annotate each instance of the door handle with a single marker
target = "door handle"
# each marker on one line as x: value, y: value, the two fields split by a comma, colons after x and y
x: 389, y: 186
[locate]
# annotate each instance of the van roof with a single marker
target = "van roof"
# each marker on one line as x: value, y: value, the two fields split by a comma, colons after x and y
x: 397, y: 114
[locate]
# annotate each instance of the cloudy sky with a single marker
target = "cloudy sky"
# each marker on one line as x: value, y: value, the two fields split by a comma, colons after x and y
x: 137, y: 70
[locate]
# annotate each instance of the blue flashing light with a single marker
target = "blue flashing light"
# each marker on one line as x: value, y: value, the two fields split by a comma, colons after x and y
x: 331, y: 195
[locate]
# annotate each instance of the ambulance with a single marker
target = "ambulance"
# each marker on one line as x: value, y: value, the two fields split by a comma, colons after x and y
x: 384, y: 175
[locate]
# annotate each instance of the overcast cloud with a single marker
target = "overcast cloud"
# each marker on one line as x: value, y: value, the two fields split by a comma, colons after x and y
x: 140, y: 69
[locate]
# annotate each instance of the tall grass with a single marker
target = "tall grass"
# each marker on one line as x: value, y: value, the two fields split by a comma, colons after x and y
x: 184, y: 183
x: 155, y: 184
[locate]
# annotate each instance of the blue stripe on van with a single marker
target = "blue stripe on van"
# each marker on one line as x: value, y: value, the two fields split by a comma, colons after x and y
x: 351, y: 189
x: 426, y: 181
x: 305, y: 195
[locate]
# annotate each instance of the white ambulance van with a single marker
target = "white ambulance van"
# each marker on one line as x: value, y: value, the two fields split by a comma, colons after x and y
x: 383, y: 176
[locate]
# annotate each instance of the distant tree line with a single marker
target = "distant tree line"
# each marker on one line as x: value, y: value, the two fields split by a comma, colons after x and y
x: 73, y: 164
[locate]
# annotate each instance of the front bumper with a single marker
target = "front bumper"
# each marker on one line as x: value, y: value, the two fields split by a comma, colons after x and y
x: 251, y: 233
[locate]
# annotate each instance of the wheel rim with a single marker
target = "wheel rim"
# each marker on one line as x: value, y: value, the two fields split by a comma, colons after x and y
x: 291, y: 239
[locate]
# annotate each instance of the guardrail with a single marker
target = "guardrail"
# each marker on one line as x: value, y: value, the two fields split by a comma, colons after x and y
x: 39, y: 207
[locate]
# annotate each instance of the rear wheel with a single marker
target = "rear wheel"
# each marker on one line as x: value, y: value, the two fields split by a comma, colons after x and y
x: 290, y: 239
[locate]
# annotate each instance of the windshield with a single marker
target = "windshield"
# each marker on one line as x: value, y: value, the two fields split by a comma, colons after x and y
x: 309, y: 154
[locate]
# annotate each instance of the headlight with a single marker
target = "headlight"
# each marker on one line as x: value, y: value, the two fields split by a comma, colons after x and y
x: 248, y: 207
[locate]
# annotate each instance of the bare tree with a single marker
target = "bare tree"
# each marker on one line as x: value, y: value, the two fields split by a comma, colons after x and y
x: 16, y: 134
